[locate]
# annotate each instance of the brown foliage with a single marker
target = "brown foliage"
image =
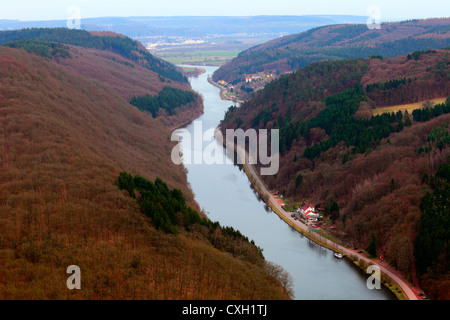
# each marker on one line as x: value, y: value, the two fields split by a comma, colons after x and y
x: 64, y: 138
x: 424, y: 79
x: 378, y: 192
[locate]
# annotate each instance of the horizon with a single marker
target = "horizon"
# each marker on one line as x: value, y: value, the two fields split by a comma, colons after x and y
x: 228, y: 16
x: 52, y: 10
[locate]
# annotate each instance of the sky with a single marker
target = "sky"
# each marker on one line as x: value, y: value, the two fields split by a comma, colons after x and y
x: 62, y: 9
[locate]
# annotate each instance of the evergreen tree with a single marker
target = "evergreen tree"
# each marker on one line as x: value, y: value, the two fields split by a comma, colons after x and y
x: 372, y: 248
x: 298, y: 180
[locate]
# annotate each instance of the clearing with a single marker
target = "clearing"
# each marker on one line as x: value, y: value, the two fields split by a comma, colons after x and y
x: 409, y: 106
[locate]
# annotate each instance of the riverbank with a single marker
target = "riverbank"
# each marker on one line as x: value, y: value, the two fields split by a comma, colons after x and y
x: 193, y: 71
x: 389, y: 277
x: 224, y: 91
x: 226, y: 196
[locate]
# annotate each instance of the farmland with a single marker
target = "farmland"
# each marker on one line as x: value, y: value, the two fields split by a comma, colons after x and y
x: 198, y: 57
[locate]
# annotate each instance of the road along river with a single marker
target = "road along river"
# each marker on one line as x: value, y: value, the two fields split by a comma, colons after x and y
x: 225, y: 193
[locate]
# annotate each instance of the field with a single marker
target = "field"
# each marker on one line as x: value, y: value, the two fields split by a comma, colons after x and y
x: 199, y: 58
x: 409, y: 106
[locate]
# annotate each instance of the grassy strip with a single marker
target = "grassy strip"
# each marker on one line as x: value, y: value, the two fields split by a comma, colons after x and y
x: 204, y: 58
x: 409, y: 106
x: 390, y: 284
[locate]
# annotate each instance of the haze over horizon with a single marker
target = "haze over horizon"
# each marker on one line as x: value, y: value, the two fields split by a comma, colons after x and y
x: 28, y: 10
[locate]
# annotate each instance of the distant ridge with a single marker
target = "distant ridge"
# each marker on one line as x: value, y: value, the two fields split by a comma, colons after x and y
x: 333, y: 42
x: 195, y: 26
x: 371, y: 173
x: 122, y: 45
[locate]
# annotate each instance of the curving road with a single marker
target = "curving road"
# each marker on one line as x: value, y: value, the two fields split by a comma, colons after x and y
x: 408, y: 291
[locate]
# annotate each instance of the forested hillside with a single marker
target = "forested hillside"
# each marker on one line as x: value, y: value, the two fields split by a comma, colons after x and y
x: 431, y: 247
x: 65, y: 139
x: 168, y: 99
x: 111, y: 59
x: 367, y: 172
x: 116, y: 43
x: 124, y: 46
x: 333, y: 42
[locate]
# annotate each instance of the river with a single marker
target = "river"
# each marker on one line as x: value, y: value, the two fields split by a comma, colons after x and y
x: 225, y: 193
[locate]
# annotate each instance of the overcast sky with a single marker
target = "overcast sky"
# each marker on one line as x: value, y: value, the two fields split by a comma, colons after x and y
x: 58, y: 9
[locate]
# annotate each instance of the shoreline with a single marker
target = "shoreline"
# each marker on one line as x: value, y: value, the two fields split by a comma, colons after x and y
x: 197, y: 71
x: 223, y: 92
x: 389, y: 277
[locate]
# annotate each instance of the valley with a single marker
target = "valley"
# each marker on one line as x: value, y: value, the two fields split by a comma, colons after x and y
x: 361, y: 118
x: 364, y: 172
x: 67, y: 134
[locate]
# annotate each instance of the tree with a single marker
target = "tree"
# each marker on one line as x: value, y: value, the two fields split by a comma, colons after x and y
x: 298, y: 180
x: 425, y: 179
x: 372, y: 248
x: 332, y: 209
x: 408, y: 122
x: 392, y: 185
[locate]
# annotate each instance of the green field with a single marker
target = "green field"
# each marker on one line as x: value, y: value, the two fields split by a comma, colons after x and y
x: 199, y: 58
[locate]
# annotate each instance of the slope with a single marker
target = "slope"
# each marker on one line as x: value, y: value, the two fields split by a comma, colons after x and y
x: 332, y: 42
x: 366, y: 173
x: 120, y: 44
x: 64, y: 140
x: 113, y: 65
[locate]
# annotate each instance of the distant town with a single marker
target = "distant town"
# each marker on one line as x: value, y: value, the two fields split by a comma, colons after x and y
x: 253, y: 83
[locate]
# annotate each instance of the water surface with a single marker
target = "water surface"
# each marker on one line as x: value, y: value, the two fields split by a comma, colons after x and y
x: 225, y: 193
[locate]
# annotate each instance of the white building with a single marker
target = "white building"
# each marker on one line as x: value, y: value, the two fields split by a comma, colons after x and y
x: 308, y: 212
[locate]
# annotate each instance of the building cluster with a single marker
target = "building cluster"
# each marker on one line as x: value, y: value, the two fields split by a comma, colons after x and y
x: 257, y: 77
x: 226, y: 85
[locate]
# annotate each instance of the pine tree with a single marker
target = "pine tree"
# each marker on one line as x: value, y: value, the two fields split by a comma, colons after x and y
x: 372, y: 248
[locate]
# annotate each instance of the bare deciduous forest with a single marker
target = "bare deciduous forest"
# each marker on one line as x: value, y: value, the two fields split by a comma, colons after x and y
x: 64, y: 139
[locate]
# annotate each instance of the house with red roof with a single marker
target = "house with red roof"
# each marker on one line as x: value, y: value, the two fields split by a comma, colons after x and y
x: 308, y: 212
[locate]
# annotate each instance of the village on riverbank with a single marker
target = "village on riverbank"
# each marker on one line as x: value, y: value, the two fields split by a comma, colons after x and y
x: 316, y: 226
x: 312, y: 223
x: 249, y: 84
x: 304, y: 212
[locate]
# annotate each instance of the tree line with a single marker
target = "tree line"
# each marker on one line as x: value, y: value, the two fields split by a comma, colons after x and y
x: 295, y: 52
x: 390, y: 84
x: 124, y: 46
x: 426, y: 114
x: 167, y: 99
x: 169, y: 212
x: 437, y: 139
x: 41, y: 48
x: 432, y: 247
x: 338, y: 121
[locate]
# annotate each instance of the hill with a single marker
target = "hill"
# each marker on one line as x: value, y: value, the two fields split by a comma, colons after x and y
x: 112, y: 59
x: 197, y: 27
x: 66, y: 139
x: 124, y: 46
x: 367, y: 173
x: 343, y: 41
